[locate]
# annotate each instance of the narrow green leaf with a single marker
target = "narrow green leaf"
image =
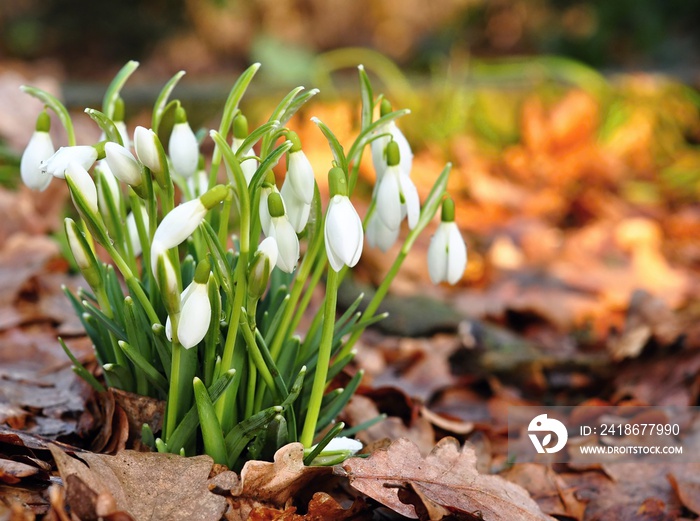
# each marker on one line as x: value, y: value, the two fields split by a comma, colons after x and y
x: 367, y: 98
x: 80, y: 370
x: 212, y: 436
x: 106, y: 124
x: 145, y: 367
x: 336, y: 147
x: 115, y: 87
x: 55, y: 105
x: 161, y: 105
x: 243, y: 432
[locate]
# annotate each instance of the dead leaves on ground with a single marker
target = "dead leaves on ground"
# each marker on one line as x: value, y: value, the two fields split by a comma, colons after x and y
x: 446, y: 482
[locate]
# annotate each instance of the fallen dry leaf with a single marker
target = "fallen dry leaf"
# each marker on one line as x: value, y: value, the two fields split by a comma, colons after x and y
x: 265, y: 484
x: 147, y: 486
x: 446, y: 477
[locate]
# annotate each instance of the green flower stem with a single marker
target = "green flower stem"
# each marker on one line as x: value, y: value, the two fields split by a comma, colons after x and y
x: 223, y: 219
x: 324, y: 357
x: 225, y: 406
x: 288, y: 319
x: 133, y: 283
x: 172, y: 415
x: 250, y: 391
x: 306, y: 299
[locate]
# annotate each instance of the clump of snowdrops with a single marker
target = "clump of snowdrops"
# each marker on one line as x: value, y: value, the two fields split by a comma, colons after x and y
x: 206, y: 285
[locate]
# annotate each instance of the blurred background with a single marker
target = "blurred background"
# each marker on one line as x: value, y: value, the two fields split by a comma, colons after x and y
x: 573, y: 126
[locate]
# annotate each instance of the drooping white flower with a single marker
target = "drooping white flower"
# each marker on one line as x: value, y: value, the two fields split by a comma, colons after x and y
x: 396, y: 195
x: 261, y: 267
x: 283, y: 232
x: 343, y: 232
x: 183, y: 146
x: 379, y: 235
x: 297, y: 210
x: 300, y: 175
x: 378, y: 146
x: 146, y: 145
x: 84, y: 185
x: 195, y: 315
x: 342, y: 444
x: 447, y: 253
x: 57, y: 164
x: 268, y: 187
x: 39, y: 149
x: 123, y: 164
x: 182, y: 221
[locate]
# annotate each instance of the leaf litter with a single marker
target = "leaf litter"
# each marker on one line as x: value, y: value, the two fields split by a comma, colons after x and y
x: 582, y: 288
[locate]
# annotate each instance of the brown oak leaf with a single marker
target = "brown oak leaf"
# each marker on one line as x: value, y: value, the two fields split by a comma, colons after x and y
x: 447, y: 477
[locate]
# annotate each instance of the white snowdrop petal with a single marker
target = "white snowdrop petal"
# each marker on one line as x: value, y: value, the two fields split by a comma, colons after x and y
x: 343, y: 233
x: 456, y: 254
x: 57, y: 164
x: 389, y: 199
x: 184, y: 150
x: 39, y: 148
x: 380, y: 236
x: 301, y: 176
x: 268, y: 246
x: 195, y: 316
x: 410, y: 195
x: 287, y: 243
x: 146, y: 148
x: 343, y: 444
x: 297, y: 210
x: 176, y: 227
x: 84, y: 184
x: 437, y: 252
x: 123, y: 164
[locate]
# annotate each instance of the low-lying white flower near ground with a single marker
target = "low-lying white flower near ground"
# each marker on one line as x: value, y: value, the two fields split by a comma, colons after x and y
x: 283, y: 232
x: 195, y: 310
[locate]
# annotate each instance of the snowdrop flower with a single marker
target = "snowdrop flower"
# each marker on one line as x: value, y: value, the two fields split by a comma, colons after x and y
x: 195, y: 310
x: 447, y: 253
x: 342, y: 444
x: 167, y: 282
x: 378, y: 146
x: 123, y: 164
x: 183, y: 146
x: 396, y: 195
x: 283, y: 232
x: 57, y: 164
x: 39, y: 148
x: 379, y: 235
x: 249, y: 164
x: 299, y: 171
x: 83, y: 185
x: 182, y: 221
x: 148, y: 147
x: 343, y: 230
x: 261, y: 267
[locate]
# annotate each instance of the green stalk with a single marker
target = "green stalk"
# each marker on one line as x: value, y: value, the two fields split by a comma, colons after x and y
x: 324, y: 357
